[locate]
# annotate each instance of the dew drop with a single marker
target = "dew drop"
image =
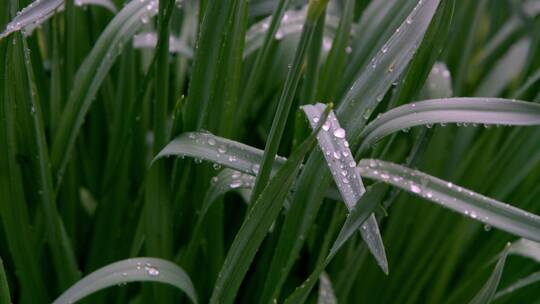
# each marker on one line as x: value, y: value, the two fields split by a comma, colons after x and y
x: 235, y: 184
x: 326, y: 126
x: 415, y: 189
x: 211, y: 141
x: 152, y: 271
x: 222, y: 149
x: 339, y: 133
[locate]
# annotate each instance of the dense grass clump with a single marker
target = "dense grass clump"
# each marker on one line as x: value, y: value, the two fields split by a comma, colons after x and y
x: 269, y: 151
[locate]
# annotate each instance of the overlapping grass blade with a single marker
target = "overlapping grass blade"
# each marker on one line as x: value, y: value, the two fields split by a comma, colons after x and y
x: 256, y: 224
x: 486, y: 294
x: 130, y: 270
x: 227, y: 180
x: 336, y: 57
x: 91, y: 74
x: 488, y: 111
x: 315, y: 9
x: 262, y: 56
x: 13, y: 206
x: 390, y: 61
x: 355, y: 219
x: 353, y: 111
x: 62, y: 250
x: 339, y: 158
x: 446, y: 194
x: 205, y: 75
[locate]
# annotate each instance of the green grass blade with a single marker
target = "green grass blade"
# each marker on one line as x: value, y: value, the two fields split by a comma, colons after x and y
x: 315, y: 8
x: 63, y: 254
x: 335, y: 61
x: 130, y: 270
x: 505, y: 70
x: 90, y: 76
x: 4, y: 287
x: 486, y: 294
x: 227, y: 180
x: 13, y: 206
x: 271, y: 27
x: 256, y: 224
x: 488, y: 111
x: 335, y: 148
x: 206, y: 66
x: 466, y: 202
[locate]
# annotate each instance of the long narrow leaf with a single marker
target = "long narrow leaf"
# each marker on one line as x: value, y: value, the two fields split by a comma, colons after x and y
x: 339, y: 159
x: 446, y: 194
x: 130, y: 270
x: 485, y: 295
x: 489, y: 111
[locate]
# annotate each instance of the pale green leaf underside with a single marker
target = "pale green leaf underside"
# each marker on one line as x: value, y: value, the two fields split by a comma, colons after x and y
x: 461, y: 200
x: 488, y: 111
x: 40, y: 11
x: 130, y: 270
x: 526, y: 248
x: 326, y: 292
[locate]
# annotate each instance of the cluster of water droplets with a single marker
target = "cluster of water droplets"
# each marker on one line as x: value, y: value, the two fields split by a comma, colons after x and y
x: 150, y: 10
x: 447, y: 194
x: 151, y: 270
x: 335, y: 148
